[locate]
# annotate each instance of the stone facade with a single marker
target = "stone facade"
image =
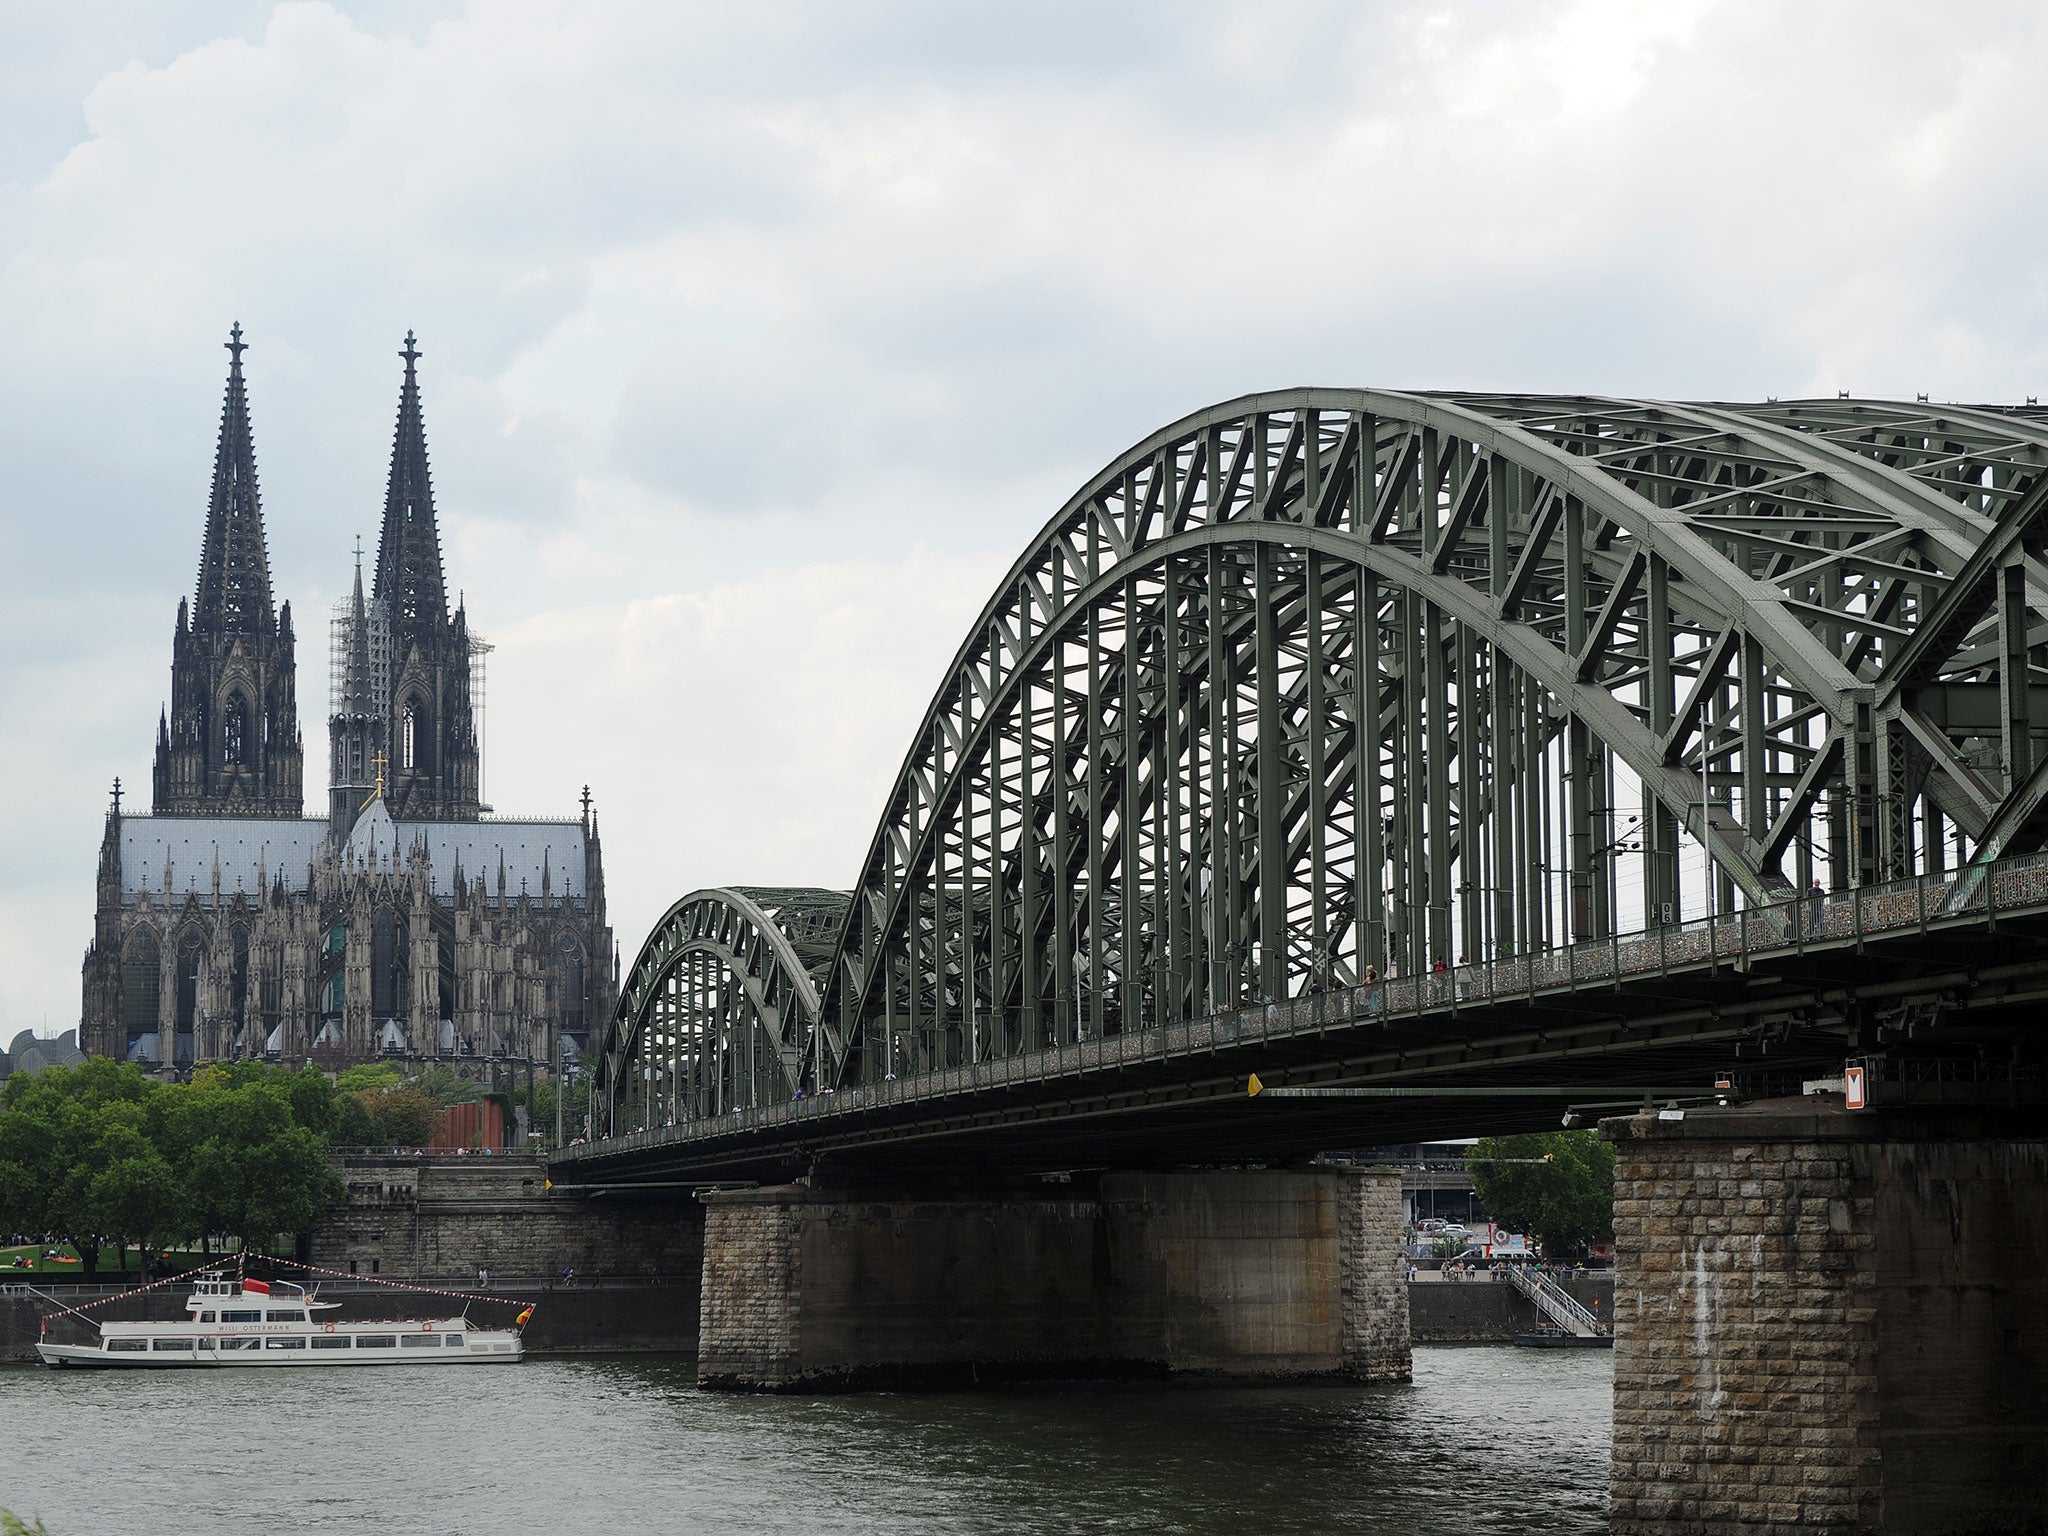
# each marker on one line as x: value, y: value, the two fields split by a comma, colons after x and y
x: 1270, y: 1275
x: 1488, y: 1312
x: 230, y: 925
x: 416, y: 939
x: 1372, y: 1222
x: 1829, y: 1321
x: 752, y: 1278
x: 443, y: 1218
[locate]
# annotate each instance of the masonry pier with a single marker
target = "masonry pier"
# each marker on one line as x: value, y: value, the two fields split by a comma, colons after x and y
x: 1268, y: 1274
x: 1830, y: 1321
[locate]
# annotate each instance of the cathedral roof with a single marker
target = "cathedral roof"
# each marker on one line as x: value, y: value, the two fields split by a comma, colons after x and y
x: 249, y: 850
x: 374, y: 837
x: 253, y: 851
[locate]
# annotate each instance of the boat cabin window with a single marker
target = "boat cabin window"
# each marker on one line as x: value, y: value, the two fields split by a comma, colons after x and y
x: 287, y: 1314
x: 229, y: 1315
x: 206, y: 1317
x: 454, y: 1341
x: 233, y: 1343
x: 376, y: 1341
x: 127, y: 1346
x: 168, y: 1346
x: 420, y: 1341
x: 331, y: 1341
x: 276, y: 1343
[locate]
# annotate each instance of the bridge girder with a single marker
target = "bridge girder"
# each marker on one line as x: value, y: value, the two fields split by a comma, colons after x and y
x: 721, y: 1002
x: 1328, y: 679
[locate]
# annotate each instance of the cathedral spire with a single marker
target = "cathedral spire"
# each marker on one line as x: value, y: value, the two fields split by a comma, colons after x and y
x: 234, y: 565
x: 229, y: 743
x: 409, y: 577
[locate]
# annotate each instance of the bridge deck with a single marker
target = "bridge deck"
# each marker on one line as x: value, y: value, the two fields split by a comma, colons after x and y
x: 1508, y: 1044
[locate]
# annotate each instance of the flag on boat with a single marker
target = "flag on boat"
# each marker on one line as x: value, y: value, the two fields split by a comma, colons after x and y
x: 256, y: 1287
x: 524, y: 1314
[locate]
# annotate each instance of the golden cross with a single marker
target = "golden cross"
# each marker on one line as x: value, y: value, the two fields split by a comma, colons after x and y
x: 377, y: 762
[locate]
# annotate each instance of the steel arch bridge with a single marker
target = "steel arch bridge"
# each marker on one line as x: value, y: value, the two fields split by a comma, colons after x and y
x: 1319, y: 683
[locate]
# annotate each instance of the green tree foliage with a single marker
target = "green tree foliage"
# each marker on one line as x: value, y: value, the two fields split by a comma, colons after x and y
x: 371, y: 1074
x: 445, y: 1086
x: 398, y: 1116
x: 59, y: 1128
x: 1557, y: 1186
x: 99, y: 1151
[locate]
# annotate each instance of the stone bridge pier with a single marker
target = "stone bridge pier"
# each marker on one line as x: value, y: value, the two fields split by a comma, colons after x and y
x: 1262, y: 1274
x: 1830, y: 1321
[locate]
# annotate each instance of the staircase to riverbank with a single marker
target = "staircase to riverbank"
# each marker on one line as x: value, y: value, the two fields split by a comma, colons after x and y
x: 1553, y: 1301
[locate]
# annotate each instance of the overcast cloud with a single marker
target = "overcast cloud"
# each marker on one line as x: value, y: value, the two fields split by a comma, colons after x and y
x: 760, y: 338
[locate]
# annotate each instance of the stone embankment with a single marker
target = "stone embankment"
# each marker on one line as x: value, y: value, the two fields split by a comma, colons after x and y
x: 1484, y: 1311
x: 428, y: 1217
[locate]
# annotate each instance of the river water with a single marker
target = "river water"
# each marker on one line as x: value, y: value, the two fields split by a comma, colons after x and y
x: 1488, y: 1439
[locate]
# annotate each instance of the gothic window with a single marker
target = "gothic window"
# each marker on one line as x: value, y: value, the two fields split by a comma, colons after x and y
x: 140, y: 984
x: 385, y: 962
x: 405, y: 737
x: 569, y: 978
x: 190, y: 954
x: 235, y: 732
x: 415, y: 737
x: 337, y: 938
x: 337, y: 992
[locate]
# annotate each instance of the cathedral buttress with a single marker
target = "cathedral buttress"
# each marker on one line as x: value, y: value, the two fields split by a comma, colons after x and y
x: 229, y: 744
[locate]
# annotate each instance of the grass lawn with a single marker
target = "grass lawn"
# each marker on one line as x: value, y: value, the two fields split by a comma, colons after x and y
x: 33, y: 1259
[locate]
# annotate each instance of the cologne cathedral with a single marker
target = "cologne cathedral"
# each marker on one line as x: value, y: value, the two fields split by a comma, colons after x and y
x: 404, y: 922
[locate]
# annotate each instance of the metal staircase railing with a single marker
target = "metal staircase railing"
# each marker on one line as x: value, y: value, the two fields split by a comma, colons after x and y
x: 1553, y: 1301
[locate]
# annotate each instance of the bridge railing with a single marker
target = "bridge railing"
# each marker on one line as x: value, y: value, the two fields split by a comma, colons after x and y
x: 1788, y: 927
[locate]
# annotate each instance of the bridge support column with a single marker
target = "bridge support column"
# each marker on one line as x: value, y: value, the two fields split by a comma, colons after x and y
x: 1829, y: 1321
x: 1291, y: 1275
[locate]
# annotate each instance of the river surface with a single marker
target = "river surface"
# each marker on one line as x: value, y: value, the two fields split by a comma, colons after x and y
x: 1488, y: 1439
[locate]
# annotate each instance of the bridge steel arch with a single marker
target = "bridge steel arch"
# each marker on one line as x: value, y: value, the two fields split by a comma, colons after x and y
x: 720, y: 1004
x: 1328, y: 680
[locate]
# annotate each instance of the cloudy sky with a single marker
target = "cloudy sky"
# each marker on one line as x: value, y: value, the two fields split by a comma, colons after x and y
x: 760, y: 338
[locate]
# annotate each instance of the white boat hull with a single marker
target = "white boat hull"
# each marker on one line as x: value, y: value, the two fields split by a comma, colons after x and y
x: 248, y: 1324
x: 478, y: 1348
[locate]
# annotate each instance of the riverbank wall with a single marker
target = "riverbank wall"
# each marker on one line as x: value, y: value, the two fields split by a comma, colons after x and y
x: 432, y: 1218
x: 1486, y: 1311
x: 638, y: 1315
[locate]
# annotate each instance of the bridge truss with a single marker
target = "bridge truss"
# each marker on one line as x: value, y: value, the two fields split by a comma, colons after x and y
x: 1327, y: 682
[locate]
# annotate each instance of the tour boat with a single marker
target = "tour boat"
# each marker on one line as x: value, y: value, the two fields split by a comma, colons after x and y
x: 250, y: 1322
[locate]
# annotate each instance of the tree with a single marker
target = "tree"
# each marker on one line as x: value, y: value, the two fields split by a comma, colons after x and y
x: 399, y: 1117
x: 353, y: 1126
x: 444, y: 1085
x: 370, y: 1074
x: 248, y: 1167
x: 134, y: 1196
x: 1557, y: 1186
x: 54, y: 1143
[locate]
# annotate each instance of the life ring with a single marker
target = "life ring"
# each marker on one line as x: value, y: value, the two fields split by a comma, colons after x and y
x: 328, y: 1326
x: 426, y: 1327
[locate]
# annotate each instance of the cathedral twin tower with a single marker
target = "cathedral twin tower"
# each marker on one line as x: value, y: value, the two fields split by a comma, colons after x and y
x: 396, y: 921
x: 229, y: 743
